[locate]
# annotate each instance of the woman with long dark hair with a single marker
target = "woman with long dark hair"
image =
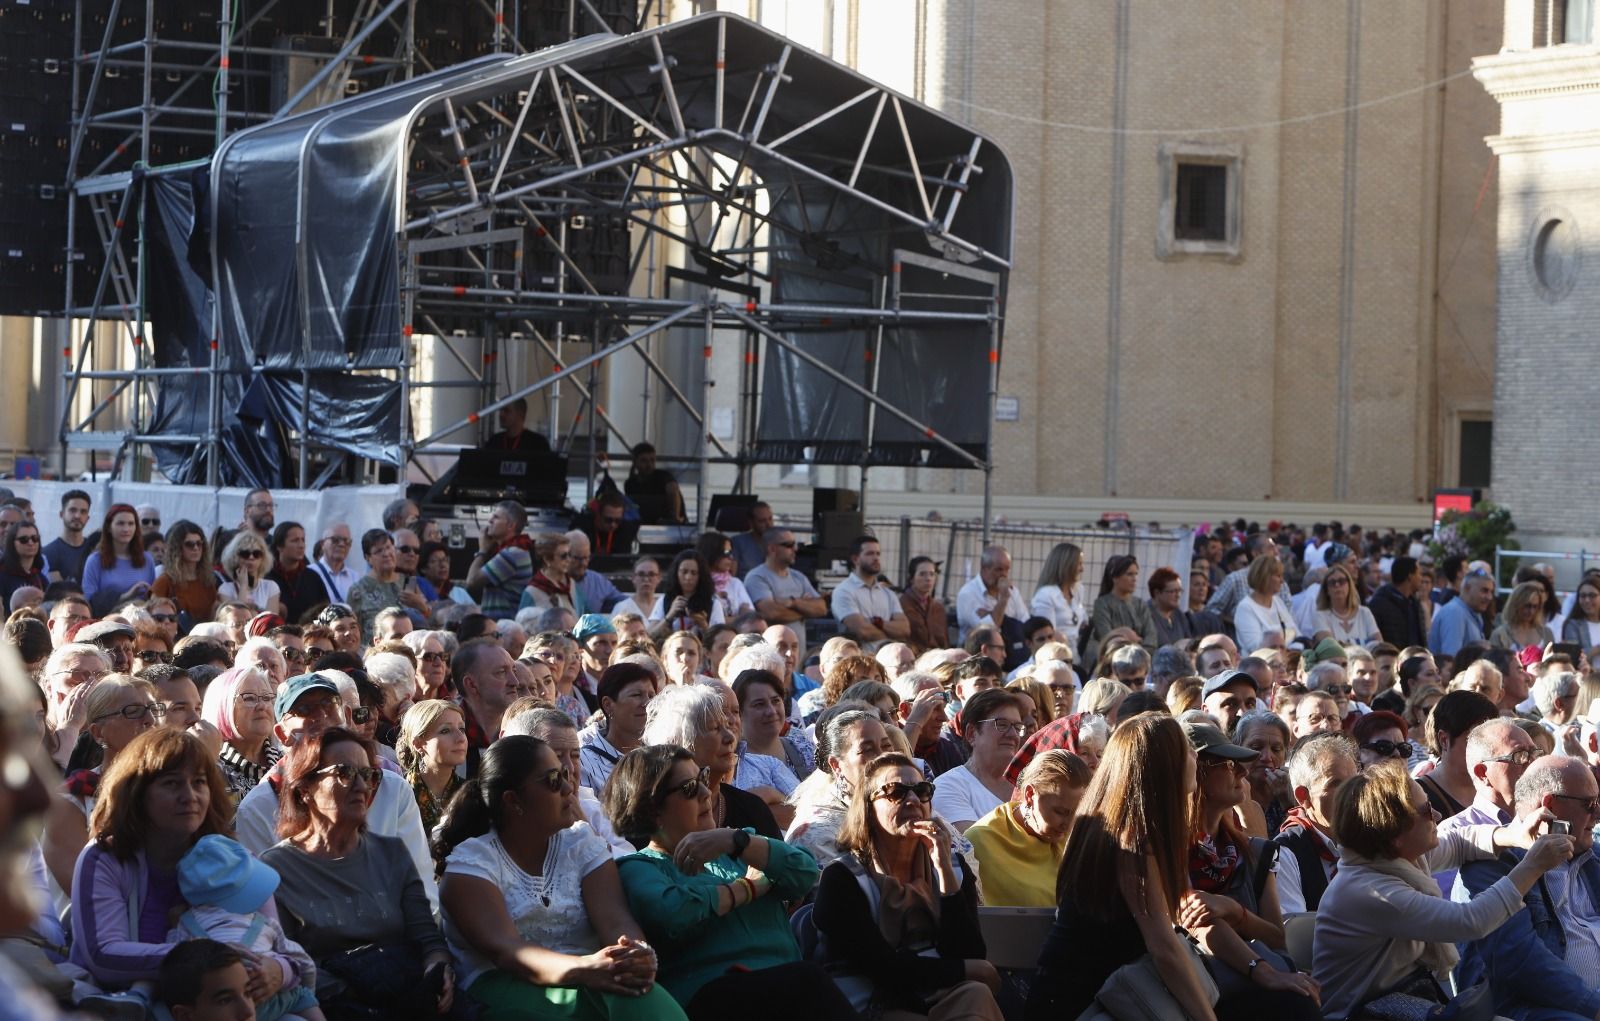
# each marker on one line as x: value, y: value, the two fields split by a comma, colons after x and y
x: 117, y: 570
x: 531, y: 900
x: 20, y: 561
x: 1124, y: 884
x: 300, y: 589
x: 1119, y: 608
x: 688, y: 597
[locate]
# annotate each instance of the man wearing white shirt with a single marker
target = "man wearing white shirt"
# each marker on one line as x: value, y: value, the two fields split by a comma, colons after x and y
x: 990, y: 598
x: 1318, y: 767
x: 333, y: 565
x: 864, y: 605
x: 307, y: 705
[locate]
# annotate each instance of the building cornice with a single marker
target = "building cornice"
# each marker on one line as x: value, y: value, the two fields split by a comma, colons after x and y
x: 1504, y: 145
x: 1547, y: 71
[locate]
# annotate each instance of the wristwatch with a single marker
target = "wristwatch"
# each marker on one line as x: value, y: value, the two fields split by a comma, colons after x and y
x: 741, y: 840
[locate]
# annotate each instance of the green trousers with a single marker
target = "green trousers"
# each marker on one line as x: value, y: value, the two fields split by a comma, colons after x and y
x: 510, y: 999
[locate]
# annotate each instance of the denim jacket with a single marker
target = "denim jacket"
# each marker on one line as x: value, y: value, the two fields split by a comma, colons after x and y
x: 1524, y: 959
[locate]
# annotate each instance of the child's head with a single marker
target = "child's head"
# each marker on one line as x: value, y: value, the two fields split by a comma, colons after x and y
x: 203, y: 980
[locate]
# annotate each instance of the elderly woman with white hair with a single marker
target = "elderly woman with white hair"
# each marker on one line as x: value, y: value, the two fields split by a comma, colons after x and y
x: 261, y: 654
x: 692, y: 716
x: 433, y: 662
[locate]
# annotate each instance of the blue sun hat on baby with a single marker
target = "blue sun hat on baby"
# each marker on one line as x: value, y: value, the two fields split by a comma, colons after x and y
x: 220, y: 872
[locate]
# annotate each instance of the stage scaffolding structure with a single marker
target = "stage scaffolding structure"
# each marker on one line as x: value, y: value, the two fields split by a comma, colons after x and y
x: 741, y: 161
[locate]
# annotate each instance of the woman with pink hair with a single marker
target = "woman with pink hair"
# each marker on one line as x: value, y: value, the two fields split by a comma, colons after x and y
x: 238, y: 703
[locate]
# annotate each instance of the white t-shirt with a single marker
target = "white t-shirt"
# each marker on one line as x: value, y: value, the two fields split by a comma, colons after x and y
x: 1068, y: 615
x: 260, y: 597
x: 629, y: 606
x: 562, y: 924
x: 959, y: 796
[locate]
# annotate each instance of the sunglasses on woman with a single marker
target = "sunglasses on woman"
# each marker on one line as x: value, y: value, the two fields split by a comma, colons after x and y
x: 555, y: 779
x: 899, y: 791
x: 1385, y: 749
x: 153, y: 656
x: 690, y: 788
x: 344, y: 774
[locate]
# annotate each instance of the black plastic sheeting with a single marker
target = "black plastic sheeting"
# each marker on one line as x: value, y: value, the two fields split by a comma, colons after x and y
x: 359, y: 414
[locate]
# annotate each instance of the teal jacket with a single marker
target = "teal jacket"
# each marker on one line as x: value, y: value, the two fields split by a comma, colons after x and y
x: 679, y: 915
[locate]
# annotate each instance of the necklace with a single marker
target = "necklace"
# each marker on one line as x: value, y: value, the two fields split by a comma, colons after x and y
x: 722, y: 806
x: 536, y: 886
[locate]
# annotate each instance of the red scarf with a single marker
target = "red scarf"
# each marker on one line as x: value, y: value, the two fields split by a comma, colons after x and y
x: 521, y: 541
x: 1298, y: 818
x: 1211, y: 868
x: 544, y: 584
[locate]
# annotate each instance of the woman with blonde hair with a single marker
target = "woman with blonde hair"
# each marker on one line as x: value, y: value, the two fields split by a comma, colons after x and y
x: 1102, y: 697
x: 118, y: 709
x: 898, y: 912
x: 432, y: 743
x: 1058, y: 598
x: 1184, y: 694
x: 1522, y: 620
x: 681, y: 656
x: 1339, y: 609
x: 246, y: 561
x: 1018, y: 846
x: 1044, y: 700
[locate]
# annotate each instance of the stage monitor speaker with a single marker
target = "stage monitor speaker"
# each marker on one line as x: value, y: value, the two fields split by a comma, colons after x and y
x: 823, y: 500
x: 730, y: 512
x: 836, y: 530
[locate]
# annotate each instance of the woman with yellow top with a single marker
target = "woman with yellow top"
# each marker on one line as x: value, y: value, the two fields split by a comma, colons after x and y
x: 1018, y: 845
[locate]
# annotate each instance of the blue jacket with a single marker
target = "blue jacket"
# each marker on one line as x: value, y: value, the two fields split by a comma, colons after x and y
x: 1525, y: 959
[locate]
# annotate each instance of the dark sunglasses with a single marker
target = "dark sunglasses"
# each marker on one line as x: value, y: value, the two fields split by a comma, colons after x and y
x: 150, y: 522
x: 153, y: 656
x: 1385, y: 749
x: 433, y: 657
x: 898, y: 791
x: 555, y: 779
x: 194, y: 544
x: 164, y: 618
x: 690, y: 789
x: 345, y: 774
x: 292, y: 655
x: 409, y: 550
x: 250, y: 554
x: 31, y: 540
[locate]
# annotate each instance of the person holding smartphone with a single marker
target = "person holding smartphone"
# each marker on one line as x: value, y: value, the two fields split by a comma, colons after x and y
x: 118, y: 570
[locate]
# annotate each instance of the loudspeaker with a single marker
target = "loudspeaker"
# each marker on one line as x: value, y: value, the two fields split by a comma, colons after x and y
x: 836, y: 530
x: 834, y: 500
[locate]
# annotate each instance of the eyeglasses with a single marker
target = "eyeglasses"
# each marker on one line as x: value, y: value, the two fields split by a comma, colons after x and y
x: 345, y: 775
x: 1004, y: 727
x: 409, y: 550
x: 153, y: 656
x: 1385, y: 749
x: 647, y: 575
x: 31, y: 540
x: 136, y: 712
x: 80, y: 676
x: 690, y: 788
x: 1590, y: 805
x: 1520, y: 757
x: 250, y: 700
x: 899, y: 791
x: 293, y: 655
x: 150, y: 522
x: 336, y: 540
x: 250, y: 554
x: 433, y: 657
x: 194, y: 544
x: 1229, y: 764
x: 1340, y: 689
x: 164, y: 618
x: 556, y: 779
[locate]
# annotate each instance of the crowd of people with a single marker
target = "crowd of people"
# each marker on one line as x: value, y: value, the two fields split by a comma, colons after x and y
x: 248, y: 775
